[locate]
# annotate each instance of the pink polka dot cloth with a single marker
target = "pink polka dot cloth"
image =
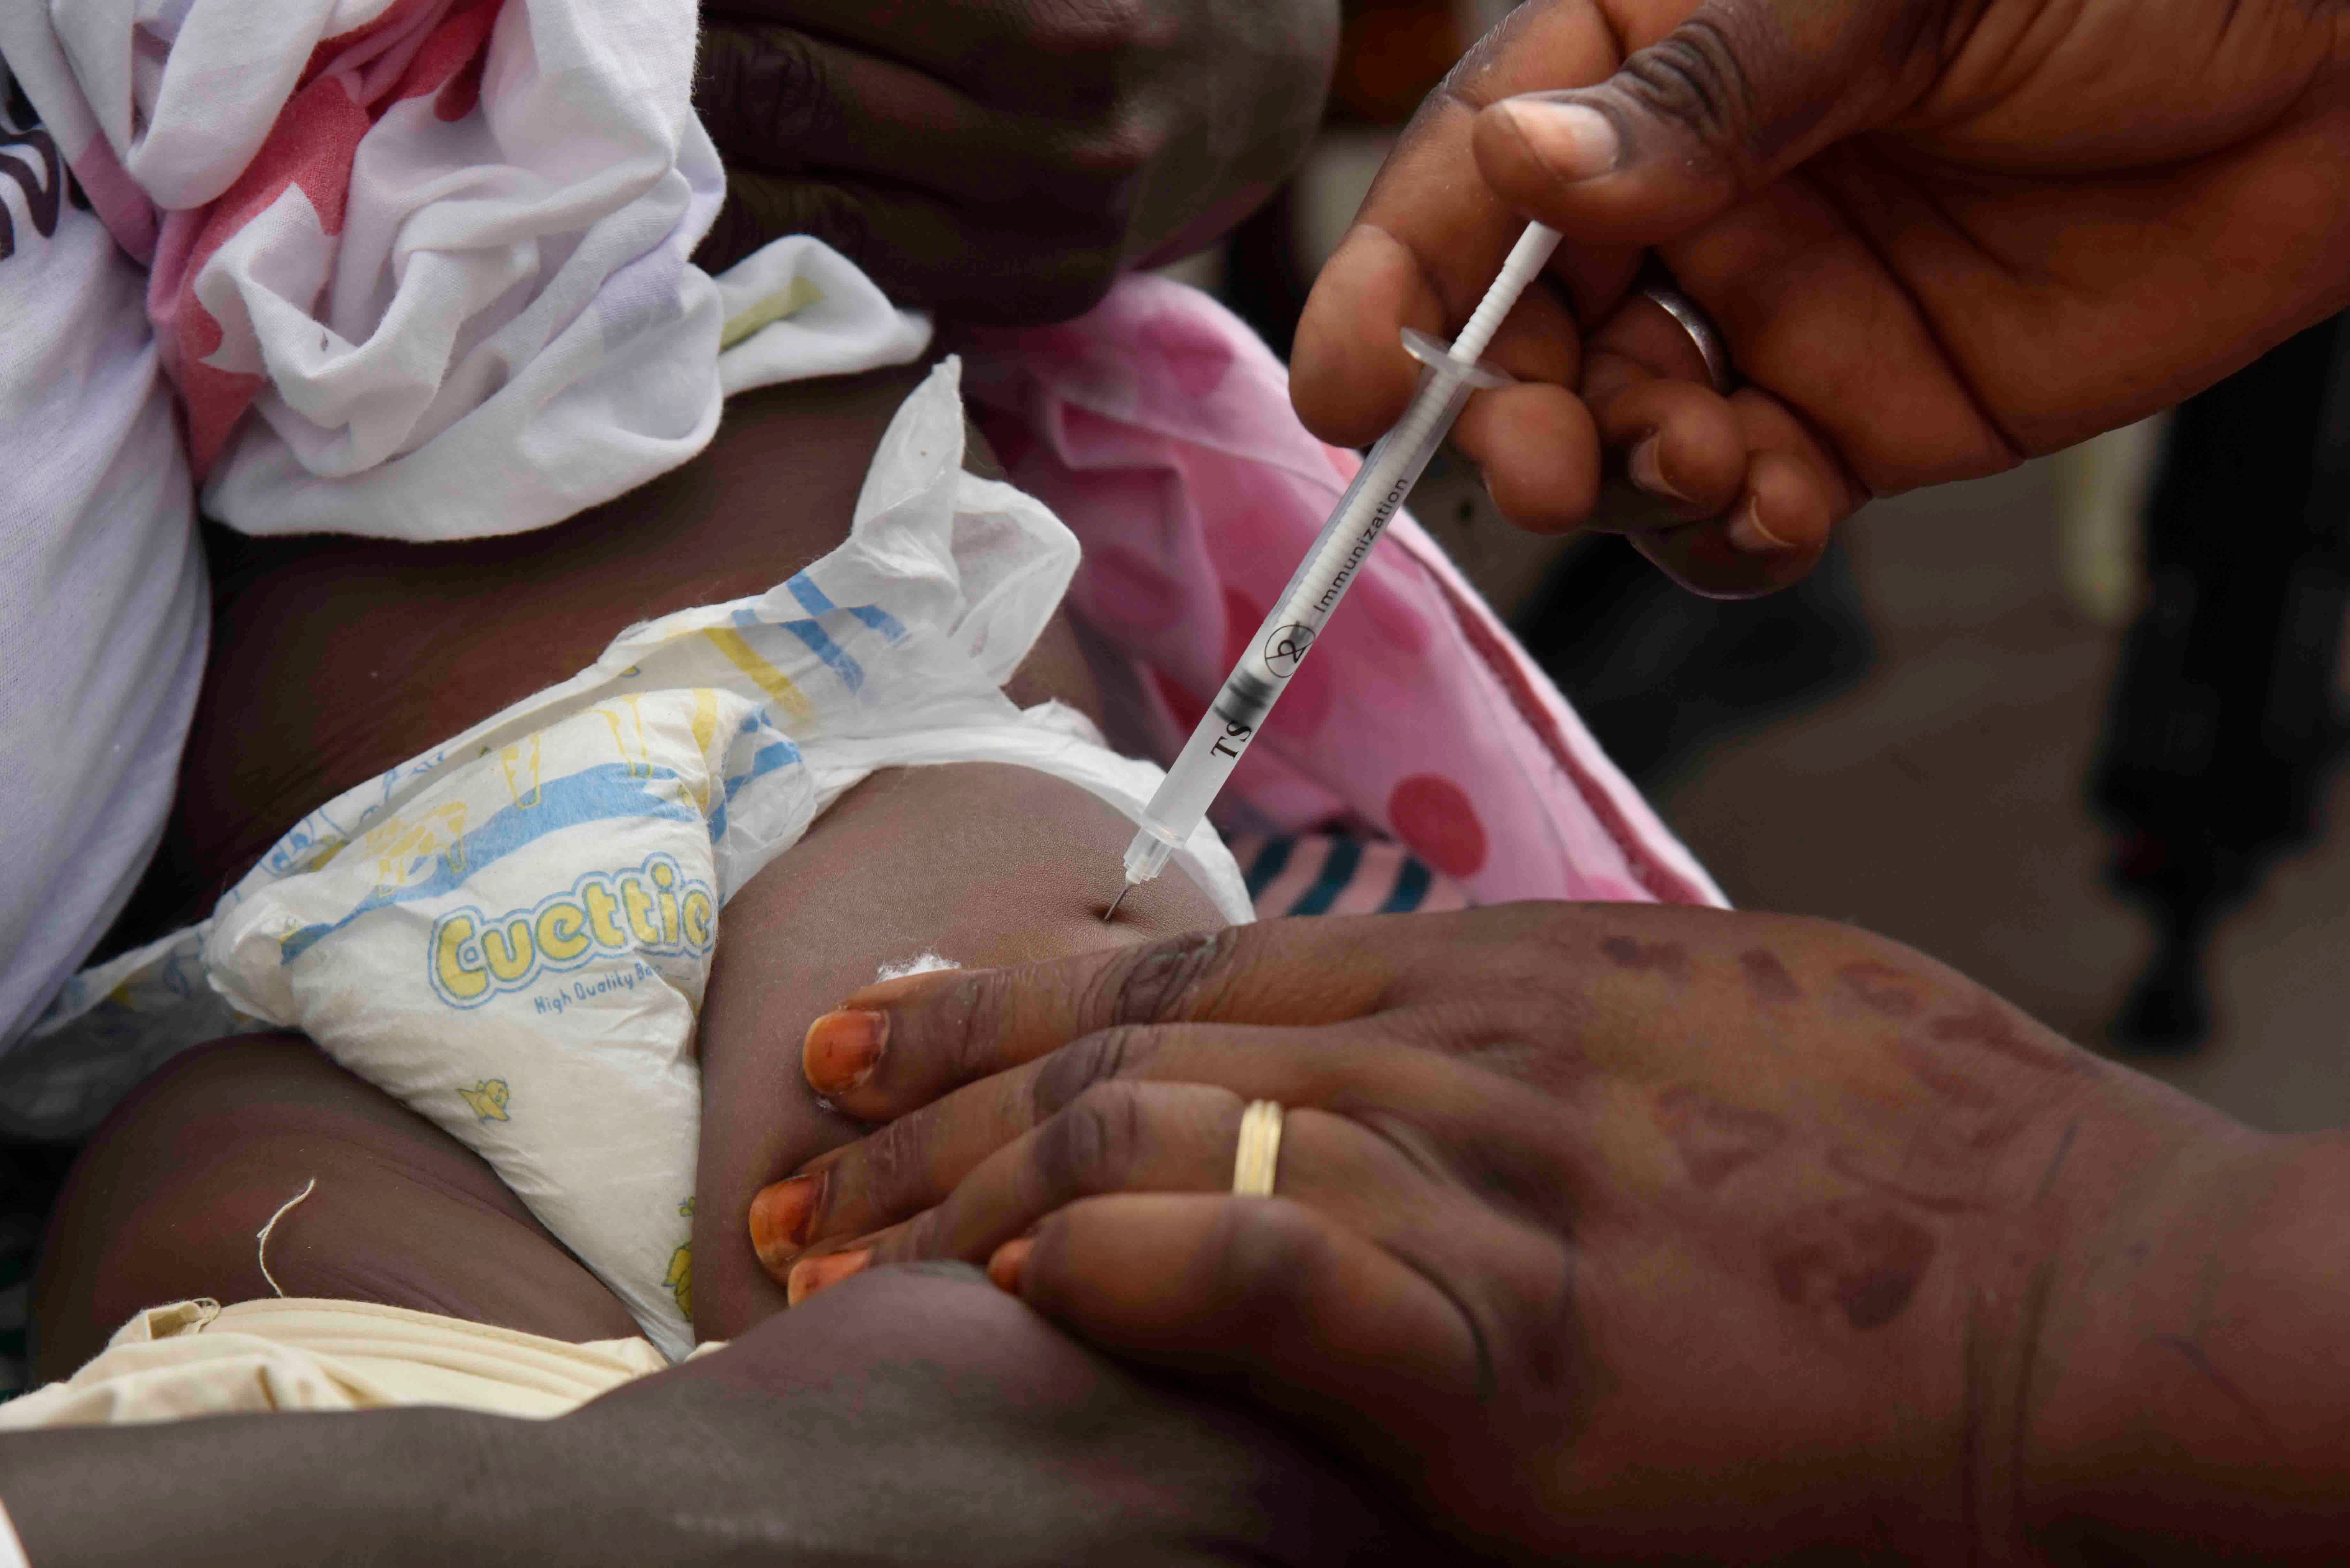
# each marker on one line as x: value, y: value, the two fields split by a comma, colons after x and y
x: 1159, y: 426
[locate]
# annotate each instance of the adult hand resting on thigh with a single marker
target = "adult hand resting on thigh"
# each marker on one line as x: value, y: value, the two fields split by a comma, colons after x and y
x: 1003, y: 160
x: 1938, y: 236
x: 1622, y: 1231
x: 927, y: 1419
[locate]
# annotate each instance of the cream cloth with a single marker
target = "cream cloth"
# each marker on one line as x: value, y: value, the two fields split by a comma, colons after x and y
x: 201, y: 1358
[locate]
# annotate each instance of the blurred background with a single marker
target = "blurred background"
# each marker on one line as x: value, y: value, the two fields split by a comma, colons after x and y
x: 2074, y: 729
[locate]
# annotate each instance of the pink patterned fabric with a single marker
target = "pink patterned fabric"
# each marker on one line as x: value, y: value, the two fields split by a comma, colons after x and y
x: 1159, y: 428
x: 414, y: 47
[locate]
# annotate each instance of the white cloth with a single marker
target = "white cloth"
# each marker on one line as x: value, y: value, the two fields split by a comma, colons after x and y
x: 12, y: 1549
x: 421, y: 266
x: 511, y: 933
x: 103, y: 612
x: 418, y: 274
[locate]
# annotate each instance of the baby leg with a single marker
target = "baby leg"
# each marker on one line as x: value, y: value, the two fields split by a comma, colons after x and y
x: 166, y: 1203
x: 979, y: 863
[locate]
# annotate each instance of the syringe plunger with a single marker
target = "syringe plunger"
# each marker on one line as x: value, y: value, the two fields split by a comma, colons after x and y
x: 1330, y: 567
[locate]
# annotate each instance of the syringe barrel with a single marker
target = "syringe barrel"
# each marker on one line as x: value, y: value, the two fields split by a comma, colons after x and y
x: 1329, y: 570
x: 1148, y: 855
x: 1189, y: 787
x: 1321, y: 581
x: 1362, y: 514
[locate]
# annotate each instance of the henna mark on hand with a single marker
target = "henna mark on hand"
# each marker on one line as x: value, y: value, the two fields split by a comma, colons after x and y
x: 1663, y: 958
x: 1767, y: 979
x: 1161, y: 981
x: 1847, y: 1163
x: 1984, y: 1025
x: 2194, y: 1356
x: 1714, y: 1137
x: 2056, y: 1160
x: 1926, y: 1066
x: 1882, y: 989
x: 1863, y: 1258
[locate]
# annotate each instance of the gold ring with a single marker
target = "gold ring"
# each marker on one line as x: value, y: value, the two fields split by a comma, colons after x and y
x: 1260, y: 1150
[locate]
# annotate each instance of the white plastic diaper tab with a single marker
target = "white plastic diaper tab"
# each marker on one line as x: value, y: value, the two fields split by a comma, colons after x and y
x: 511, y: 933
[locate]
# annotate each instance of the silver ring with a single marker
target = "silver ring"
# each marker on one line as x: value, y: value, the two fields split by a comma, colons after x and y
x: 1700, y: 328
x: 1260, y: 1150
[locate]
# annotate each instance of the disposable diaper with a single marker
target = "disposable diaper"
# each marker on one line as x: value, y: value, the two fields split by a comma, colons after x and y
x: 511, y: 933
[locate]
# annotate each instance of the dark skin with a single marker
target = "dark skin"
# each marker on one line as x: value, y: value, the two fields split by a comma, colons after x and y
x: 1088, y: 139
x: 1938, y: 236
x: 993, y: 864
x: 1596, y: 1227
x: 943, y: 1393
x: 437, y: 637
x: 1631, y: 1233
x: 997, y: 864
x: 921, y: 1418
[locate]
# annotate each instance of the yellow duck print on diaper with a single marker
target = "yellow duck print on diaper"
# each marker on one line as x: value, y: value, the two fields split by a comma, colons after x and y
x: 680, y: 1278
x: 404, y: 849
x: 488, y: 1099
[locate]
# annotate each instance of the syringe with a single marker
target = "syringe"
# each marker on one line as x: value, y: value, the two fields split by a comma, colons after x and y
x: 1362, y: 514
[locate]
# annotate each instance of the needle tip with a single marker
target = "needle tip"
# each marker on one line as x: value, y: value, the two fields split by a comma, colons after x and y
x: 1111, y: 913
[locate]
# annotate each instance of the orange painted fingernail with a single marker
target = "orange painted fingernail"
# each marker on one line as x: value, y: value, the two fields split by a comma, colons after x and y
x: 1011, y: 1261
x: 810, y: 1275
x: 842, y: 1049
x: 781, y: 1215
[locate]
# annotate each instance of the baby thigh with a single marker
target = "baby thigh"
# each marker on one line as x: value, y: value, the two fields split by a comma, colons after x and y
x: 979, y: 863
x: 166, y: 1202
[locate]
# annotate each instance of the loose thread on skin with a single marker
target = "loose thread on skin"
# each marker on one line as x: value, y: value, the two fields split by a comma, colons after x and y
x: 261, y: 1237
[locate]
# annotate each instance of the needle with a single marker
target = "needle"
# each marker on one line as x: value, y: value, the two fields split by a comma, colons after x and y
x: 1451, y: 374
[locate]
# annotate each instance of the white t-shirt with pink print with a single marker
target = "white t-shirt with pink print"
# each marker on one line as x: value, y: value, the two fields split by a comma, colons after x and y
x: 103, y: 612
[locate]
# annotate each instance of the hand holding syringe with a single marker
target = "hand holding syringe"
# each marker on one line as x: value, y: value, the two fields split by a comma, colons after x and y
x: 1329, y: 569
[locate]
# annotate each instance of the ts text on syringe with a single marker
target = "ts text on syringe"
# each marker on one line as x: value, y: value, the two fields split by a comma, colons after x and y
x: 1447, y: 378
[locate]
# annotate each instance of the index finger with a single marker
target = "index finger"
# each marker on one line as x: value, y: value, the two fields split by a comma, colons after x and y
x: 911, y: 1040
x: 1431, y: 233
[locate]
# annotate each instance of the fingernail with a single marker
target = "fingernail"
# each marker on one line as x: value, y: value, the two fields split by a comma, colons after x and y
x: 781, y: 1215
x: 1748, y: 535
x: 810, y: 1275
x: 1574, y: 139
x: 842, y: 1049
x: 906, y: 988
x: 1649, y: 473
x: 1010, y: 1262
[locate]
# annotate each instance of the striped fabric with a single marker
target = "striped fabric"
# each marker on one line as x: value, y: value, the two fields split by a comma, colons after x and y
x: 1321, y: 874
